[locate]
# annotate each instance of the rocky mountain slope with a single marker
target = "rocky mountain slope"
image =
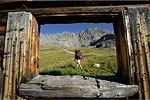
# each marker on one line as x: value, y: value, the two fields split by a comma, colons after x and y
x: 89, y: 37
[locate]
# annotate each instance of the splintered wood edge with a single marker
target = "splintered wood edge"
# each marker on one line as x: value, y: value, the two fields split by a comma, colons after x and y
x: 55, y: 89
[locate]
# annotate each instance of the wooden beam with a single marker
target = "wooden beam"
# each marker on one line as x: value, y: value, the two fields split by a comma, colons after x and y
x: 16, y: 54
x: 141, y: 55
x: 121, y: 49
x: 130, y: 51
x: 34, y: 49
x: 74, y: 87
x: 75, y: 14
x: 51, y: 12
x: 6, y: 61
x: 55, y: 3
x: 137, y: 37
x: 67, y: 10
x: 145, y: 31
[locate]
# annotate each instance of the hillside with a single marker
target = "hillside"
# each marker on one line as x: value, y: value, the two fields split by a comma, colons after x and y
x: 89, y: 37
x: 61, y: 61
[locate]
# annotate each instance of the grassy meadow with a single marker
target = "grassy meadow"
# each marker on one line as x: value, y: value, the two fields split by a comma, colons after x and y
x: 61, y: 61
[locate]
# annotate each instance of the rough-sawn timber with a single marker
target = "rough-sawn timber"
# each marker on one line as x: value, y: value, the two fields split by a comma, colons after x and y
x: 46, y: 86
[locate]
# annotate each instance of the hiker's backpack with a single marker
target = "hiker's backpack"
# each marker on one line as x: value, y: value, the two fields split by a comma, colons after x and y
x: 79, y: 54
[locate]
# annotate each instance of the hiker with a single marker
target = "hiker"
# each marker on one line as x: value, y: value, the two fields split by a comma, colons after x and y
x: 78, y: 57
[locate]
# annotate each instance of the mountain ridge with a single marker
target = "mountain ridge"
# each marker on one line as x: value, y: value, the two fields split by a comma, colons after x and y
x: 75, y: 39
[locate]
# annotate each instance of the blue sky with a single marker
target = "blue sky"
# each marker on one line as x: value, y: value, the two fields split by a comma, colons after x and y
x: 75, y: 27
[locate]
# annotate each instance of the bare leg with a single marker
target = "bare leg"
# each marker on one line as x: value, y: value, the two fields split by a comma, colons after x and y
x: 80, y: 67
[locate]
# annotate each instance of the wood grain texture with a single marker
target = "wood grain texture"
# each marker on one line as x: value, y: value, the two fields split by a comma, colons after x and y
x: 121, y: 50
x: 7, y: 58
x: 76, y: 14
x: 137, y: 19
x: 74, y: 87
x: 130, y: 52
x: 145, y: 33
x: 28, y: 27
x: 16, y: 63
x: 21, y: 52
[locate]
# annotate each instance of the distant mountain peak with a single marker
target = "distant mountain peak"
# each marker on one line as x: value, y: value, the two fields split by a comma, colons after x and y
x: 74, y: 39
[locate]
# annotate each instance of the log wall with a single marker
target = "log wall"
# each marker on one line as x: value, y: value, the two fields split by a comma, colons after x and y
x: 20, y: 62
x: 137, y: 34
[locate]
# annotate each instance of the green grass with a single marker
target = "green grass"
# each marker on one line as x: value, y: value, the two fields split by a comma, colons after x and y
x: 56, y: 61
x: 63, y: 70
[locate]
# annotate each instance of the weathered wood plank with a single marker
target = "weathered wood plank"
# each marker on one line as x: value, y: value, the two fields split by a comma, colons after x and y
x: 139, y: 51
x: 53, y: 12
x: 30, y: 48
x: 21, y: 47
x: 141, y: 57
x: 37, y: 37
x: 121, y: 50
x: 130, y: 52
x: 17, y: 56
x: 55, y: 3
x: 145, y: 50
x: 74, y: 87
x: 35, y: 7
x: 13, y: 28
x: 27, y: 43
x: 7, y: 58
x: 131, y: 14
x: 13, y: 33
x: 67, y: 10
x: 18, y: 34
x: 25, y: 51
x: 33, y: 48
x: 16, y: 53
x: 38, y: 47
x: 145, y: 30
